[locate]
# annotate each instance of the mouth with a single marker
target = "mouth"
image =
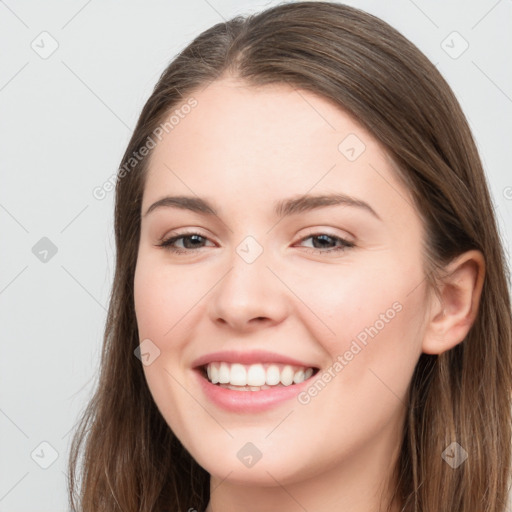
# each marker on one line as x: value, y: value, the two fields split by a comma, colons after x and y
x: 255, y: 377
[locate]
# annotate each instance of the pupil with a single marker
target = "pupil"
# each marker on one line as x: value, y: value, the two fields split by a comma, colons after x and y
x: 322, y: 237
x: 191, y: 238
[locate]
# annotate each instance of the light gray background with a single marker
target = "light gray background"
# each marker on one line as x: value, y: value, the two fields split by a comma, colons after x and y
x: 64, y: 124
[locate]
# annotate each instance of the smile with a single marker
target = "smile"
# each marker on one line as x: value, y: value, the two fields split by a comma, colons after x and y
x: 255, y: 377
x: 226, y: 379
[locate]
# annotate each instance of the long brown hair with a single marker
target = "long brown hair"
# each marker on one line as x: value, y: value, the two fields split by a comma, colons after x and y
x: 128, y: 457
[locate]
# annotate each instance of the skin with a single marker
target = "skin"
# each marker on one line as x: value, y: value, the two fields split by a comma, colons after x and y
x: 244, y: 148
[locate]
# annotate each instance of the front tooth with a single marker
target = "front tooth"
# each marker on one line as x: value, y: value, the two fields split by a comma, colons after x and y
x: 287, y: 375
x: 238, y: 375
x: 214, y: 373
x: 224, y: 373
x: 273, y: 375
x: 298, y: 377
x: 256, y: 375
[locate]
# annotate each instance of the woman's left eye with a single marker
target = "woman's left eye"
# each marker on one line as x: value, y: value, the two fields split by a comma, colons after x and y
x: 326, y: 238
x: 195, y: 239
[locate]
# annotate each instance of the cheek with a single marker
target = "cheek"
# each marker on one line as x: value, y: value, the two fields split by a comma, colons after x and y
x: 368, y: 321
x: 374, y: 350
x: 163, y: 295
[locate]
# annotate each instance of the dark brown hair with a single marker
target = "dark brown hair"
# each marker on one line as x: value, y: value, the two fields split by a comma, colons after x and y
x: 129, y: 458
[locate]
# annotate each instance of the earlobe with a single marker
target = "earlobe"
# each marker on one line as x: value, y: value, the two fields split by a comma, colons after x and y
x: 453, y: 313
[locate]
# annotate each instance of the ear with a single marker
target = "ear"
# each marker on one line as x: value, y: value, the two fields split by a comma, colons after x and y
x: 452, y: 314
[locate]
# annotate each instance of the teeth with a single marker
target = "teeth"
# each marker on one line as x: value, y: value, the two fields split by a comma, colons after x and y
x: 298, y: 377
x: 238, y: 375
x: 273, y: 375
x: 224, y: 373
x: 287, y: 376
x: 256, y: 376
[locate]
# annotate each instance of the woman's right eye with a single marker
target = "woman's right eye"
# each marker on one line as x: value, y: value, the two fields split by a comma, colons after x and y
x: 168, y: 244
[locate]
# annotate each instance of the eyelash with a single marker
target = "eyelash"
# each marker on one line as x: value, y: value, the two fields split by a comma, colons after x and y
x: 345, y: 244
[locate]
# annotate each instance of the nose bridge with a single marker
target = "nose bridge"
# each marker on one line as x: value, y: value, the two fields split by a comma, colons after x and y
x: 249, y: 290
x: 249, y: 249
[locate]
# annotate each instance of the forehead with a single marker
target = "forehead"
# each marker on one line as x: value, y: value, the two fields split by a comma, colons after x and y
x: 273, y: 140
x: 237, y: 117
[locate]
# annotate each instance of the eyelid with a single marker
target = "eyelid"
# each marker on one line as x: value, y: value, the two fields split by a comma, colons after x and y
x: 186, y: 231
x: 329, y: 231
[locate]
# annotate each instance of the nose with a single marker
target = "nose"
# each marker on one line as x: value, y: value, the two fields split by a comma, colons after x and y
x: 251, y: 295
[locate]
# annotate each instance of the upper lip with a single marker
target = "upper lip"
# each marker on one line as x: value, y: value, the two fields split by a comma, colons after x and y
x: 247, y: 357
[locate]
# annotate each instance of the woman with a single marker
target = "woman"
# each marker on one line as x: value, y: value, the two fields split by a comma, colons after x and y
x: 248, y: 364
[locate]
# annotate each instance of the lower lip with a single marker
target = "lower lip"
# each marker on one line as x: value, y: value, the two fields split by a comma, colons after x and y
x: 249, y: 401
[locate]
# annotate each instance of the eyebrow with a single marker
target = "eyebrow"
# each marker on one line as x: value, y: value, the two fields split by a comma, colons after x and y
x: 282, y: 208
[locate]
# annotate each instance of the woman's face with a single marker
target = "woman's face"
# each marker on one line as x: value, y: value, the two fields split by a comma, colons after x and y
x: 271, y: 285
